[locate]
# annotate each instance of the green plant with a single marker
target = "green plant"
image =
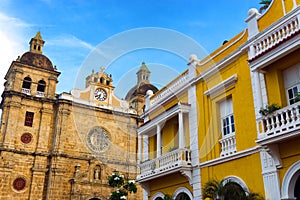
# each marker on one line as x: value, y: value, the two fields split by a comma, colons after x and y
x: 297, y: 98
x: 172, y: 149
x: 121, y: 186
x: 116, y: 179
x: 269, y: 109
x: 130, y: 186
x: 265, y: 5
x: 220, y: 190
x: 167, y: 197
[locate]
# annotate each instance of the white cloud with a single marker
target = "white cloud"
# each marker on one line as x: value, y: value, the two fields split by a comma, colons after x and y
x: 67, y: 40
x: 13, y: 42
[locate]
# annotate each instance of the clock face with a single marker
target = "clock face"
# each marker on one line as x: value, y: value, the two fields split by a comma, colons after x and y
x: 100, y: 94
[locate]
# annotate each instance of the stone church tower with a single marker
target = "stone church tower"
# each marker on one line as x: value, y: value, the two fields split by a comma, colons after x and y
x: 62, y: 146
x: 136, y: 95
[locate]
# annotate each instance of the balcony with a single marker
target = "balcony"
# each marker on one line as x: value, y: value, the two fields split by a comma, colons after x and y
x: 228, y: 144
x: 276, y: 41
x: 26, y: 91
x: 175, y: 161
x: 281, y: 125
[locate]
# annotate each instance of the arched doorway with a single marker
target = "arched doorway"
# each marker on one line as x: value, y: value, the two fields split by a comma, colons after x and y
x: 182, y: 193
x: 234, y: 191
x: 158, y: 198
x: 291, y: 182
x: 297, y: 188
x: 182, y: 196
x: 94, y: 199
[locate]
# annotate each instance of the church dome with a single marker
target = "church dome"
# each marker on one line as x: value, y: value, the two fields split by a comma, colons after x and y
x: 37, y: 60
x: 140, y: 90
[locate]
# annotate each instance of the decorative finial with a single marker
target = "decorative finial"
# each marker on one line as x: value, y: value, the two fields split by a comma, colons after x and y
x: 102, y: 68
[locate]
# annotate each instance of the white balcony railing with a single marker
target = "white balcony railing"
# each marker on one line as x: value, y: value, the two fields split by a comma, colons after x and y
x: 26, y: 91
x: 280, y: 123
x: 170, y: 88
x: 40, y: 94
x: 177, y: 159
x: 274, y: 36
x: 228, y: 145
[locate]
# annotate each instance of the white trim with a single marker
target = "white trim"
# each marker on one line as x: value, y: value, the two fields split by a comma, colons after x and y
x: 158, y: 194
x: 163, y: 117
x: 221, y: 86
x: 234, y: 156
x: 182, y: 190
x: 289, y: 181
x: 238, y: 181
x: 211, y: 58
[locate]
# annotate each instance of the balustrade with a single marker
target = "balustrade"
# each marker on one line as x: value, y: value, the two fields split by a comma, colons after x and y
x: 167, y: 162
x: 280, y: 122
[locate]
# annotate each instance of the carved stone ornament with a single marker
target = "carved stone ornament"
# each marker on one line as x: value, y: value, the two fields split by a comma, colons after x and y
x: 98, y: 140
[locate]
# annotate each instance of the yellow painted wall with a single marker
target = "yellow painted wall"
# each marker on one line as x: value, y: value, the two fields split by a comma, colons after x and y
x: 170, y: 134
x: 183, y: 98
x: 243, y: 108
x: 289, y: 153
x: 247, y: 168
x: 271, y: 15
x: 168, y: 184
x: 274, y: 78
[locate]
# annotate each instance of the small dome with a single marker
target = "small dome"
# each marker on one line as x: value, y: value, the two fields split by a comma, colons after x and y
x: 37, y: 60
x: 140, y: 90
x: 252, y: 11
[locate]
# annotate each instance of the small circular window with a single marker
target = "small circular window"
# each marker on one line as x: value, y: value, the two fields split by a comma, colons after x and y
x: 26, y: 138
x: 19, y: 184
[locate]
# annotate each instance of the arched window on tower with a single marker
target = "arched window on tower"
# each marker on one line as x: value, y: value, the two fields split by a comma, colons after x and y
x: 26, y: 85
x: 102, y: 80
x: 41, y: 88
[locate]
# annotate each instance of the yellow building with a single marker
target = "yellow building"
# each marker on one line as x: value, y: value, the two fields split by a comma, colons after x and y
x: 62, y: 146
x: 207, y: 124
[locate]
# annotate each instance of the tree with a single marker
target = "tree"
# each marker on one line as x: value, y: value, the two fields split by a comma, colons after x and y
x: 227, y: 190
x: 265, y: 5
x: 121, y: 186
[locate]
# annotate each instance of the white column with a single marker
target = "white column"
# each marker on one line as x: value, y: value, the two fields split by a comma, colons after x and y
x: 270, y: 176
x: 294, y: 4
x: 140, y: 145
x: 193, y: 130
x: 158, y: 140
x: 256, y: 87
x: 181, y: 130
x: 146, y: 147
x: 252, y: 22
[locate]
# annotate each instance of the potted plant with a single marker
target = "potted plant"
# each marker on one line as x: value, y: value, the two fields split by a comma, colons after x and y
x: 269, y: 109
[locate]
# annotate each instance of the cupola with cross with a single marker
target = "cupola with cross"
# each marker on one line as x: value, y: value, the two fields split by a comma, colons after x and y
x: 33, y: 73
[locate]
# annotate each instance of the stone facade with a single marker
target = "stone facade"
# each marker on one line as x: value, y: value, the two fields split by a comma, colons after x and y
x: 62, y: 146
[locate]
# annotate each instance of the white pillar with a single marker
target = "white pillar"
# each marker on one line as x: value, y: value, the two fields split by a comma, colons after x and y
x: 252, y: 22
x: 140, y: 145
x: 158, y: 140
x: 256, y: 86
x: 270, y: 176
x: 193, y: 130
x: 181, y: 130
x: 146, y: 147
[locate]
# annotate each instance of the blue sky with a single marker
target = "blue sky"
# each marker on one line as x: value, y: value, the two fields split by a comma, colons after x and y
x: 122, y: 33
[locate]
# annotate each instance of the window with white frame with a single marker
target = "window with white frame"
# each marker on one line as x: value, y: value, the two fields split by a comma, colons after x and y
x: 291, y: 78
x: 227, y: 117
